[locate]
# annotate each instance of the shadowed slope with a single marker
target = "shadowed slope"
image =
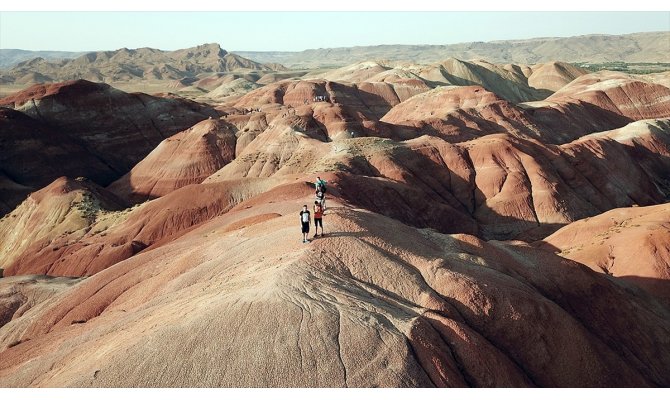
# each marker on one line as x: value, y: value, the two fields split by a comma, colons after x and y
x: 183, y: 159
x: 630, y: 243
x: 600, y: 101
x: 118, y: 128
x: 509, y: 186
x: 81, y: 128
x: 460, y: 113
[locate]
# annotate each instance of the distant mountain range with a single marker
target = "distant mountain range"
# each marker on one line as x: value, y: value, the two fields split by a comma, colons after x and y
x: 21, y: 67
x: 635, y: 47
x: 11, y: 57
x: 132, y: 64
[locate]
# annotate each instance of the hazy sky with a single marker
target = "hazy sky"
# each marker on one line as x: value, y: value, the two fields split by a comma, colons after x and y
x: 294, y: 31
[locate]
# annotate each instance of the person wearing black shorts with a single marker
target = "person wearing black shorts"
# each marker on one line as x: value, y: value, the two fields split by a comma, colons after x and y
x: 318, y: 218
x: 305, y: 220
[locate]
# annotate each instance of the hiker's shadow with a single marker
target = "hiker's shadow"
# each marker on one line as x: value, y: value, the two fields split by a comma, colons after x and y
x: 346, y: 234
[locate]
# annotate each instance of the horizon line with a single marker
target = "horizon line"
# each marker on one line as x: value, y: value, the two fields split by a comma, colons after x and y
x: 345, y: 47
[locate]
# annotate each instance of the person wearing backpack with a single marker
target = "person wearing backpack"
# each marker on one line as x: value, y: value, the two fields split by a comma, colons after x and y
x: 318, y: 219
x: 320, y: 184
x: 305, y: 220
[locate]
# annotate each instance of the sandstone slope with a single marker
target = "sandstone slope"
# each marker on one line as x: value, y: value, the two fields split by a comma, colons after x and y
x: 183, y: 159
x: 598, y: 102
x: 513, y: 82
x: 500, y: 186
x: 460, y: 113
x: 403, y: 291
x: 628, y: 243
x: 70, y: 229
x: 81, y: 128
x: 376, y: 303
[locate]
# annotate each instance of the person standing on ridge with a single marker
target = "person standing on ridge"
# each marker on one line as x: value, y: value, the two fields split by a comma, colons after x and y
x: 318, y: 219
x: 321, y: 187
x: 320, y: 198
x: 305, y: 220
